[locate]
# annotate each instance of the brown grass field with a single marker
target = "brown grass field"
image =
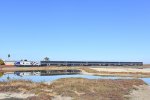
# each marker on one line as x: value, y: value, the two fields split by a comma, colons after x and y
x: 111, y: 73
x: 146, y: 66
x: 76, y: 88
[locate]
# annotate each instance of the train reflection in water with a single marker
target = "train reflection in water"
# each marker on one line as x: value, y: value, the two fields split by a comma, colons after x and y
x: 47, y: 72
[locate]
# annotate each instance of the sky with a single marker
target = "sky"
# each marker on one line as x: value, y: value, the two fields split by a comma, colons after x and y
x: 91, y: 30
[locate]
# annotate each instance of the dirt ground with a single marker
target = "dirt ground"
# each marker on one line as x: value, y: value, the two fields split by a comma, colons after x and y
x: 122, y: 70
x: 8, y: 95
x: 126, y: 72
x: 141, y: 93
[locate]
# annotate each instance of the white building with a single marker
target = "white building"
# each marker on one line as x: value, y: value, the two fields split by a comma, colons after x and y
x: 9, y: 63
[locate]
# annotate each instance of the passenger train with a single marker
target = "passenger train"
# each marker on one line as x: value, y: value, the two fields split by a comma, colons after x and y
x: 75, y: 63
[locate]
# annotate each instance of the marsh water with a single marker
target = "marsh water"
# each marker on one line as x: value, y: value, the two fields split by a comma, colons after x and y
x: 37, y: 78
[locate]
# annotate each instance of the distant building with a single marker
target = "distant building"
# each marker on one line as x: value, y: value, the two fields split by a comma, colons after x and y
x: 9, y: 63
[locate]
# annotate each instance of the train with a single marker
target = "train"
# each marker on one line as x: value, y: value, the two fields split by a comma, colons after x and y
x: 75, y: 63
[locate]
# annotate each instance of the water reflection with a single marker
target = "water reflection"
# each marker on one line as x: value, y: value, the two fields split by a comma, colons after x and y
x: 46, y: 72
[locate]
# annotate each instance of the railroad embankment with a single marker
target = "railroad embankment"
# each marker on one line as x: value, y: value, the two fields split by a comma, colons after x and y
x: 13, y: 69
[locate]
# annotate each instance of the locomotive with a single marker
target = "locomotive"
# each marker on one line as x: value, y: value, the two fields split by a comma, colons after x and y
x: 26, y: 63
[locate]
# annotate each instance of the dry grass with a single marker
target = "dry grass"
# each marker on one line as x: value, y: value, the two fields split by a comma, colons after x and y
x: 27, y: 87
x: 88, y: 70
x: 13, y: 69
x: 134, y: 74
x: 77, y: 88
x: 146, y: 66
x: 129, y: 73
x: 42, y: 96
x: 85, y: 89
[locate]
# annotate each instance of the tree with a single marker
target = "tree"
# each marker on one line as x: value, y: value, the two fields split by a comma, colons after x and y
x: 46, y: 59
x: 8, y: 56
x: 1, y: 62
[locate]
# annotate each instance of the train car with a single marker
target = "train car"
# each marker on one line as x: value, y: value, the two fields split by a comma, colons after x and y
x: 26, y: 64
x: 89, y: 63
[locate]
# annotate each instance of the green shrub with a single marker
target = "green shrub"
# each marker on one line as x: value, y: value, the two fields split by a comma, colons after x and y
x: 1, y: 62
x: 1, y: 74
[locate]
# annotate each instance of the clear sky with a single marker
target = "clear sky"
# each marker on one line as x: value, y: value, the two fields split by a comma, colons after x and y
x: 98, y: 30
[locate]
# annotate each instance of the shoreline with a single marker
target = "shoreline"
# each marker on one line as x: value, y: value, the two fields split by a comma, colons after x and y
x: 121, y: 72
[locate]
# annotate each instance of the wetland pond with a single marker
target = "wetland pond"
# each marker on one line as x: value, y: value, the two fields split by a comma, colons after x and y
x: 51, y: 78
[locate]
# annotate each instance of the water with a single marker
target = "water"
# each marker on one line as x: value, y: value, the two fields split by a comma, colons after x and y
x: 55, y: 77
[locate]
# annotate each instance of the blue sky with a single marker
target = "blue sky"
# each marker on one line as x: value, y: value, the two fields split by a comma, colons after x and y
x: 99, y: 30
